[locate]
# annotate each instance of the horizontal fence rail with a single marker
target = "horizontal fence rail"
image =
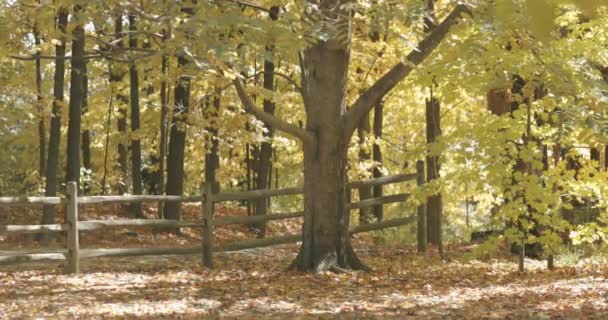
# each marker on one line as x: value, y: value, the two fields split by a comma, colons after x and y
x: 73, y: 253
x: 24, y: 201
x: 55, y: 255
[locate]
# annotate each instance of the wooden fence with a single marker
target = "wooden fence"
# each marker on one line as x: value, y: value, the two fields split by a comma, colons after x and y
x: 73, y: 254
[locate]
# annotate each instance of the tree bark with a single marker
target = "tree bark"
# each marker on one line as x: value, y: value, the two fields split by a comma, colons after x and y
x: 177, y: 142
x: 434, y: 202
x: 116, y: 76
x: 595, y: 156
x: 325, y: 237
x: 76, y: 97
x: 177, y: 137
x: 106, y: 150
x: 136, y: 209
x: 377, y: 156
x: 48, y: 216
x: 164, y: 101
x: 40, y: 108
x: 86, y: 134
x: 606, y: 158
x: 365, y: 192
x: 212, y: 157
x: 265, y: 153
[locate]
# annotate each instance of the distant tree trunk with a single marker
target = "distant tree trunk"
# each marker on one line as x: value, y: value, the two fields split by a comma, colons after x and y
x: 606, y: 158
x: 377, y: 156
x: 212, y: 157
x: 48, y: 216
x: 40, y: 108
x: 434, y: 202
x: 177, y: 137
x: 365, y: 192
x: 76, y: 97
x: 434, y: 205
x: 136, y: 209
x: 595, y: 156
x: 86, y: 134
x: 177, y: 142
x: 164, y: 101
x: 116, y: 76
x: 264, y: 167
x: 106, y: 150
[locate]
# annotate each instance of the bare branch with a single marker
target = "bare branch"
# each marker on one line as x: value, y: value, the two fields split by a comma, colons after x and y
x: 47, y: 57
x: 250, y: 5
x: 269, y: 119
x: 400, y: 71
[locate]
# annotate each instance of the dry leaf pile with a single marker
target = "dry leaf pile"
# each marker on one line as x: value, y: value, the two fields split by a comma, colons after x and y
x: 255, y: 284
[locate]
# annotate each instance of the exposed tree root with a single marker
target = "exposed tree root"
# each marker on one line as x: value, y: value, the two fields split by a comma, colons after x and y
x: 329, y: 262
x: 354, y: 262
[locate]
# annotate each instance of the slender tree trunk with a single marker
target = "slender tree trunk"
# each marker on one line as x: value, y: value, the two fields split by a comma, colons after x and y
x: 76, y: 97
x: 595, y: 156
x: 377, y: 156
x: 164, y: 100
x: 265, y: 154
x: 86, y: 134
x: 365, y: 192
x: 116, y: 76
x: 248, y: 182
x: 177, y: 142
x: 40, y: 108
x: 136, y: 209
x: 177, y: 137
x: 606, y: 158
x: 106, y: 151
x: 212, y: 157
x: 48, y: 216
x: 433, y: 130
x: 434, y: 202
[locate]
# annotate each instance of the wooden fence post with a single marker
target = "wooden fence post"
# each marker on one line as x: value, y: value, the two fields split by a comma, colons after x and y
x: 208, y: 208
x: 421, y: 210
x: 73, y: 259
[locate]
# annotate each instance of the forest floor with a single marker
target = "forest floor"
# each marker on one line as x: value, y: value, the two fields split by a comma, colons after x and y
x: 255, y: 284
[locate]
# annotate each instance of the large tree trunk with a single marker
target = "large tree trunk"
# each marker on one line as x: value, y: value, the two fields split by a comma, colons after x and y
x: 76, y: 96
x: 177, y: 143
x: 326, y: 241
x: 136, y: 210
x: 324, y: 65
x: 48, y: 216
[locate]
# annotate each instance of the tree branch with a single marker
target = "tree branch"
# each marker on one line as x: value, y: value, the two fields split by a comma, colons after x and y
x: 269, y: 119
x: 389, y: 80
